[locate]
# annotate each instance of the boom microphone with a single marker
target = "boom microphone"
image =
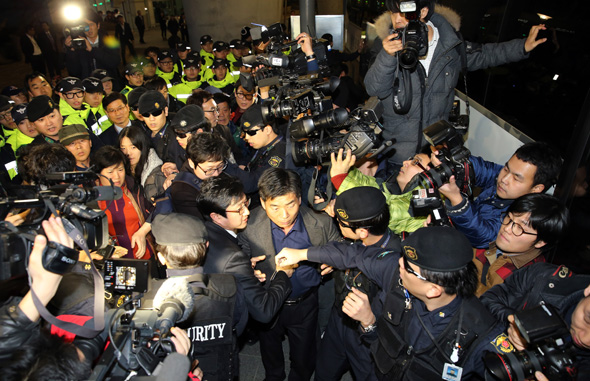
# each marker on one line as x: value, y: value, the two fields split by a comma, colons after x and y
x: 174, y: 302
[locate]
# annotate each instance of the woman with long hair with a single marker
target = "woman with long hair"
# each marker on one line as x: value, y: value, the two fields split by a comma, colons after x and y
x: 145, y: 165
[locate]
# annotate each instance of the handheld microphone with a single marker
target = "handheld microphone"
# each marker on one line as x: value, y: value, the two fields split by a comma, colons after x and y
x: 174, y: 302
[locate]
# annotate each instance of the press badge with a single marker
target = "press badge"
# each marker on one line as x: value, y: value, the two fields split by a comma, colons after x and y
x: 452, y: 372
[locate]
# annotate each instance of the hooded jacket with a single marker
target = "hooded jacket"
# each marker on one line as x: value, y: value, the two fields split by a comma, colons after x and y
x: 440, y: 81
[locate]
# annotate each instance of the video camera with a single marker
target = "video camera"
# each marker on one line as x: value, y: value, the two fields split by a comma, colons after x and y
x: 414, y: 36
x: 543, y: 329
x: 315, y: 137
x: 78, y: 34
x: 68, y: 199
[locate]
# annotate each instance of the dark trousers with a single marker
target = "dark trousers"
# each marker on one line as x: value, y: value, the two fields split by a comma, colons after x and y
x: 51, y: 59
x: 341, y: 349
x: 141, y: 32
x: 129, y: 44
x: 299, y: 322
x: 38, y: 63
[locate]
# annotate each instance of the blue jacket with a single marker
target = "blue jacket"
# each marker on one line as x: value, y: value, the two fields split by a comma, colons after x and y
x: 480, y: 220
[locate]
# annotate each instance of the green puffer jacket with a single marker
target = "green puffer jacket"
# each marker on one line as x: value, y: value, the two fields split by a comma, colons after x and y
x: 399, y: 220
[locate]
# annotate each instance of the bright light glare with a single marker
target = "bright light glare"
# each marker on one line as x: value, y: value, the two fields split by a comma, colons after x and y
x: 544, y: 17
x: 72, y: 12
x: 555, y: 77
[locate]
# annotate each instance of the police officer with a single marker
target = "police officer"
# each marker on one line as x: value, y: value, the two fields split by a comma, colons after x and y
x: 219, y: 314
x: 431, y: 326
x: 134, y: 77
x: 363, y: 216
x: 219, y: 76
x: 190, y: 81
x: 166, y: 68
x: 270, y: 149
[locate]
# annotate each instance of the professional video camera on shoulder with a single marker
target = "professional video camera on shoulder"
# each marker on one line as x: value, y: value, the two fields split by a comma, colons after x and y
x: 315, y: 137
x: 76, y: 27
x: 548, y: 352
x: 65, y: 195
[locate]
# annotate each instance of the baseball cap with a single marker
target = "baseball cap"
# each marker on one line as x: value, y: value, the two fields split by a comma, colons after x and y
x: 178, y: 229
x: 69, y: 84
x: 165, y: 54
x: 39, y: 107
x: 134, y: 95
x: 101, y: 74
x: 217, y: 62
x: 93, y: 85
x: 11, y: 90
x: 438, y: 248
x: 151, y: 101
x: 252, y: 117
x: 359, y: 204
x: 220, y: 45
x: 19, y: 113
x: 133, y: 67
x: 188, y: 117
x: 5, y: 103
x: 67, y: 134
x: 205, y: 39
x: 182, y: 46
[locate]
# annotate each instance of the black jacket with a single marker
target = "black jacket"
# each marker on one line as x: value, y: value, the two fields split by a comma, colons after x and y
x: 27, y: 47
x: 225, y: 257
x: 127, y: 36
x: 81, y: 63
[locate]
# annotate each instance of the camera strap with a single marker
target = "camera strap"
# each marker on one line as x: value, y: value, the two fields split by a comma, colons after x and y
x: 402, y: 102
x: 98, y: 320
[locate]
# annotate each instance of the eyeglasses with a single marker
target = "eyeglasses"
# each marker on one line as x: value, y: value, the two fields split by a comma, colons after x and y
x: 516, y: 228
x: 411, y: 271
x: 251, y: 132
x: 243, y: 208
x: 216, y: 110
x: 166, y: 62
x: 183, y: 134
x: 246, y: 96
x: 209, y: 172
x: 415, y: 160
x: 6, y: 116
x: 77, y: 94
x: 154, y: 114
x: 116, y: 110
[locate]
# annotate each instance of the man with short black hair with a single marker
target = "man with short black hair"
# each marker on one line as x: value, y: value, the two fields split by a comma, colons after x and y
x: 225, y: 207
x: 282, y: 222
x: 31, y: 50
x: 166, y: 68
x: 191, y: 80
x: 220, y: 77
x: 533, y: 168
x: 125, y: 36
x: 206, y: 52
x: 140, y: 24
x: 533, y: 224
x: 36, y: 84
x: 431, y: 325
x: 134, y: 77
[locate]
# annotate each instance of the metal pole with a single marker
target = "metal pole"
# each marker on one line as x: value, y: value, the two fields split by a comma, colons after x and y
x: 307, y: 19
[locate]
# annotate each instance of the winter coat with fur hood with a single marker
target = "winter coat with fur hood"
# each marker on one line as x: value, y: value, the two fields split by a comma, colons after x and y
x: 440, y: 81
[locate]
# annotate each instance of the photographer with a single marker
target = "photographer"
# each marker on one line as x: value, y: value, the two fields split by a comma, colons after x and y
x: 97, y: 54
x: 545, y: 283
x: 533, y: 168
x: 441, y: 65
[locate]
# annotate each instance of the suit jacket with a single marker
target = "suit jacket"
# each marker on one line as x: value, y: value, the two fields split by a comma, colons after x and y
x: 27, y: 47
x: 45, y: 44
x: 128, y: 36
x: 139, y: 23
x: 225, y: 257
x: 256, y: 239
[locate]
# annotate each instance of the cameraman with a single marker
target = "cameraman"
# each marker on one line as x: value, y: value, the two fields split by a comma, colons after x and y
x: 96, y: 55
x: 533, y: 168
x: 544, y: 283
x: 441, y: 66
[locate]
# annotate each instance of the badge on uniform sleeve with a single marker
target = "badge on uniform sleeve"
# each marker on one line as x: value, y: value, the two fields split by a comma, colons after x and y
x: 275, y: 161
x: 502, y: 344
x: 452, y: 372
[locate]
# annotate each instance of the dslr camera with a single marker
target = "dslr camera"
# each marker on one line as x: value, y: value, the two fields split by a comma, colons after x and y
x: 414, y: 36
x: 78, y: 34
x: 547, y: 352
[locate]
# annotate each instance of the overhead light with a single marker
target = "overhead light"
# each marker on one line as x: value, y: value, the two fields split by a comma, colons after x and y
x: 544, y: 17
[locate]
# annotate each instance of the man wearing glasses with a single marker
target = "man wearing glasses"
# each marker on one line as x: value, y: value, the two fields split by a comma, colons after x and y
x: 166, y: 69
x: 190, y: 81
x: 8, y: 125
x: 225, y: 208
x: 244, y: 99
x: 533, y: 168
x: 117, y: 110
x: 532, y: 224
x: 431, y: 326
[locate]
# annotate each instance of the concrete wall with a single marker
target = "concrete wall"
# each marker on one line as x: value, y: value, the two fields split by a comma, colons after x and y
x: 203, y: 17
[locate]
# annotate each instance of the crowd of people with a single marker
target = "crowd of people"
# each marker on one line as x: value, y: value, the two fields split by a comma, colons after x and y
x: 210, y: 194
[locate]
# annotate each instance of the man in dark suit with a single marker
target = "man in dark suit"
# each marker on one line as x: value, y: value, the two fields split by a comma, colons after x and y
x: 125, y: 36
x: 48, y: 43
x: 224, y: 206
x: 283, y: 221
x: 140, y: 24
x: 31, y: 50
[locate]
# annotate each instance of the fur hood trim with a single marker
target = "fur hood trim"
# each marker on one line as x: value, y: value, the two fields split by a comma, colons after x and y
x: 383, y: 22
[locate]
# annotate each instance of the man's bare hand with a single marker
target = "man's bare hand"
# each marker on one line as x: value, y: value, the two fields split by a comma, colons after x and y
x: 169, y: 168
x: 289, y: 257
x: 181, y: 341
x: 304, y: 40
x: 340, y: 165
x: 391, y: 45
x: 357, y: 306
x: 326, y: 269
x: 257, y: 273
x: 531, y: 41
x: 514, y: 335
x: 451, y: 191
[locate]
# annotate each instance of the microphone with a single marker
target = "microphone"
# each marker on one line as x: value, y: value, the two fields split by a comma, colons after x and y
x: 174, y: 302
x: 104, y: 193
